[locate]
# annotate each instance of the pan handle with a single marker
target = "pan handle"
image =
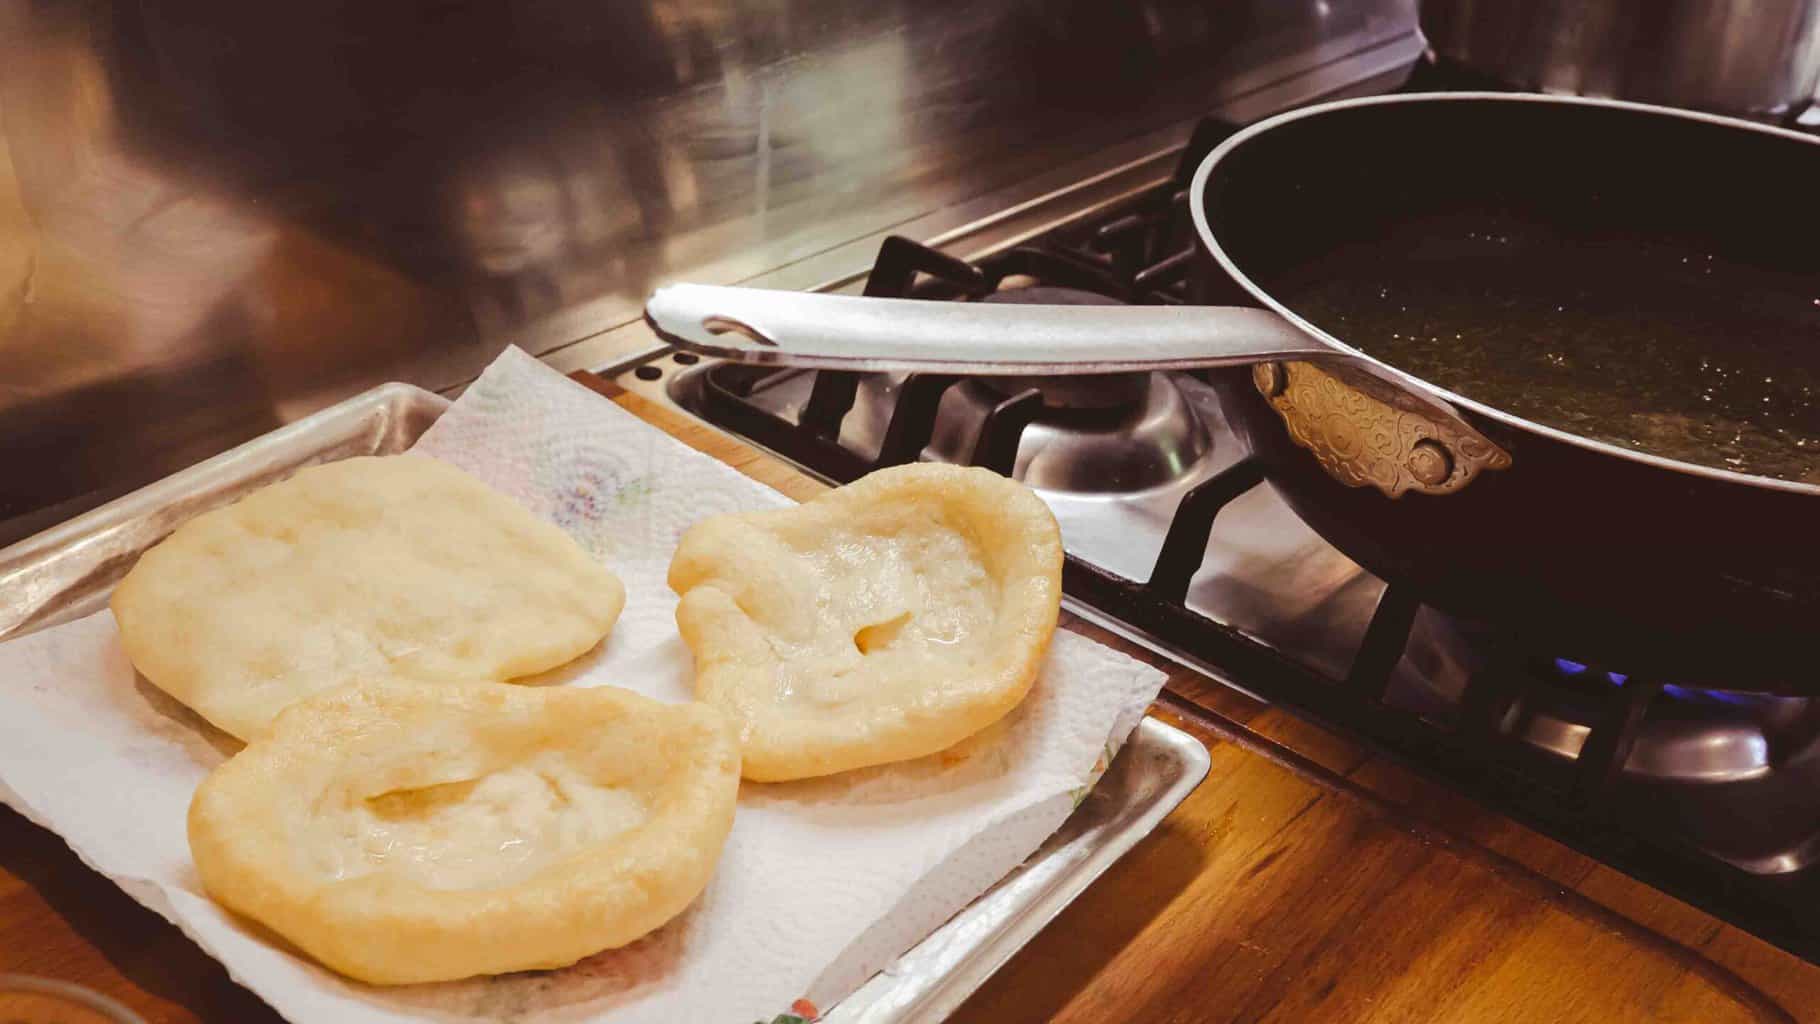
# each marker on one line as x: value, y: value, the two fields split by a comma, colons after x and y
x: 844, y: 332
x: 1365, y: 423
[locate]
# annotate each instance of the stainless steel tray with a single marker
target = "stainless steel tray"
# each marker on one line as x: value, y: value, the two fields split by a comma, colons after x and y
x: 67, y: 572
x: 1156, y: 769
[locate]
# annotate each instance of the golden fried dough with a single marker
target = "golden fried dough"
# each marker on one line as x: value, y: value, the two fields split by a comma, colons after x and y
x: 881, y: 621
x: 402, y: 831
x: 402, y: 566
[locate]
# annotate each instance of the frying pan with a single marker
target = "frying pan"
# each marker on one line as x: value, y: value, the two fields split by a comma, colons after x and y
x: 1569, y: 546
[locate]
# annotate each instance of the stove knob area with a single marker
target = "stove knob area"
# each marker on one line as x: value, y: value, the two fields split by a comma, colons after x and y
x: 1430, y: 462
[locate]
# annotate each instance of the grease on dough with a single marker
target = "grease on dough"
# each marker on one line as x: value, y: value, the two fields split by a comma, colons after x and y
x: 881, y: 621
x: 497, y: 828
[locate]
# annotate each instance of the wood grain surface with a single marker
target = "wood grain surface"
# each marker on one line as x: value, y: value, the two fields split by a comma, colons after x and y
x: 1305, y: 880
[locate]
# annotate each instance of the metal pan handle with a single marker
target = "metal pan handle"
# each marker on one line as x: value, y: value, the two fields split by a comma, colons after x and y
x: 843, y: 332
x: 1436, y: 450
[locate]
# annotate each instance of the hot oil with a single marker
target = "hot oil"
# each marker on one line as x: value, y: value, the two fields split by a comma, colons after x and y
x: 1644, y: 343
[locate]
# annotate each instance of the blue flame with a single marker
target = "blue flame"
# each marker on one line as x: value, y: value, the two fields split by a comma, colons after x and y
x: 1576, y: 670
x: 1721, y: 696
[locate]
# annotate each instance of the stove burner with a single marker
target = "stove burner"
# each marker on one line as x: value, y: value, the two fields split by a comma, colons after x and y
x: 1688, y: 735
x: 1735, y: 772
x: 1095, y: 434
x: 1152, y: 442
x: 1088, y: 391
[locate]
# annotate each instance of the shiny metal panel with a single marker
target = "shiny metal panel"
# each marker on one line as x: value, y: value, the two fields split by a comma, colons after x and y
x: 217, y: 217
x: 1752, y: 58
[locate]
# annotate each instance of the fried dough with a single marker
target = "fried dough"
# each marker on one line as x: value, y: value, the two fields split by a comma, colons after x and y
x: 401, y: 831
x: 878, y: 622
x: 401, y: 566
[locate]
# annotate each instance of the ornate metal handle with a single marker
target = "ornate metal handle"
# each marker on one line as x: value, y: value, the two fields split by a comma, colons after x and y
x: 1362, y: 440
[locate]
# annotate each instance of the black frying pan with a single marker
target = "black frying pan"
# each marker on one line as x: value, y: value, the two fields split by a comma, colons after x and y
x: 1575, y: 547
x: 1584, y: 550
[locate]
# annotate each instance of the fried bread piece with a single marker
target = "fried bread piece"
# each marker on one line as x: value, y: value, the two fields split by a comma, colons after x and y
x: 401, y: 831
x: 400, y: 565
x: 878, y: 622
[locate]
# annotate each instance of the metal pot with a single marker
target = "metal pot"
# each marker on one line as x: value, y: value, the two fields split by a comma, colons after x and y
x: 1755, y: 59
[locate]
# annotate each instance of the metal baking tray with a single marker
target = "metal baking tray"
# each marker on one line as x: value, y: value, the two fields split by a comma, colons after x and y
x: 68, y: 571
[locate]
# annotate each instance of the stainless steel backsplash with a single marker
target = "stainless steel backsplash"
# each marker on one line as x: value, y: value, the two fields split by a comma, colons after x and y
x: 216, y: 216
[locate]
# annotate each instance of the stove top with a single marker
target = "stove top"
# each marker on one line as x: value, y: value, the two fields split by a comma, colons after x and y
x: 1713, y: 796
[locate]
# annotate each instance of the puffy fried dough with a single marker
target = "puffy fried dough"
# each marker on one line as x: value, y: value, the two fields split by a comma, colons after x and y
x: 371, y: 566
x: 881, y: 621
x: 401, y: 831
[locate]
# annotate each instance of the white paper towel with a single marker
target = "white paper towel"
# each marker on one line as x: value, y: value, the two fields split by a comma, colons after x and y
x: 822, y: 883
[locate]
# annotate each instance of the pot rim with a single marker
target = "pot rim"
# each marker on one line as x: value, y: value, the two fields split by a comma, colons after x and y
x: 1197, y: 210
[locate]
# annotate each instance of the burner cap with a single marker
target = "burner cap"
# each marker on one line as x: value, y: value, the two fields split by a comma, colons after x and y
x: 1156, y: 440
x: 1083, y: 391
x: 1048, y: 295
x: 1096, y: 433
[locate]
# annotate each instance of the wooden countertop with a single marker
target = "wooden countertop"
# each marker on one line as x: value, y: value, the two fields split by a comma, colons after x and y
x: 1305, y: 880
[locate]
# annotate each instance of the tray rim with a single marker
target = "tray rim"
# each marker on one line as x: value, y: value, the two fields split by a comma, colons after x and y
x: 44, y: 566
x: 1153, y: 737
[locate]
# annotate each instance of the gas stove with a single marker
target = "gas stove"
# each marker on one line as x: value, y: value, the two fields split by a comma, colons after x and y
x: 1713, y: 796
